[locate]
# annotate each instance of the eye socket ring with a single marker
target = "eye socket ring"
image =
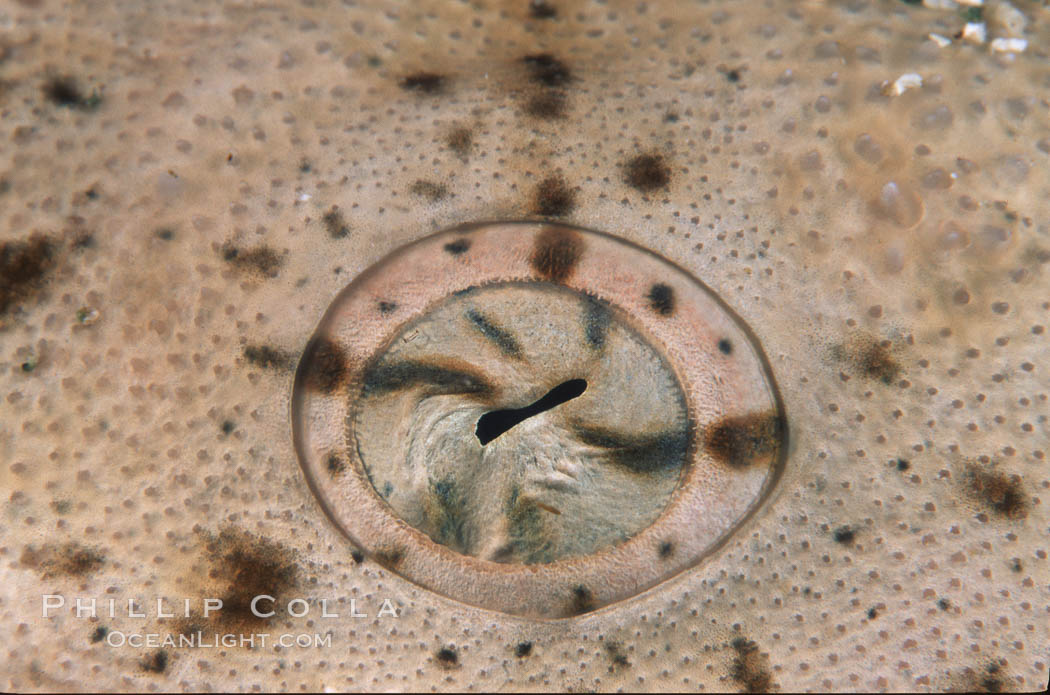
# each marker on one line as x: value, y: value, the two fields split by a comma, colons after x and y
x: 736, y: 423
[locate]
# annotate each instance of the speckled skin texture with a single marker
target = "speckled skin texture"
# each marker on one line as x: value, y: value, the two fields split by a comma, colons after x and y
x: 186, y: 187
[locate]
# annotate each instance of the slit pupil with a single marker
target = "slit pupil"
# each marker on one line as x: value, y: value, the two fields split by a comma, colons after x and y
x: 496, y: 422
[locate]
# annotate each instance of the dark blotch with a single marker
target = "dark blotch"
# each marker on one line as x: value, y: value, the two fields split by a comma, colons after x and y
x: 555, y: 253
x: 666, y: 549
x: 447, y: 657
x: 335, y: 224
x: 596, y: 320
x: 725, y: 347
x: 357, y: 556
x: 429, y: 190
x: 647, y: 172
x: 740, y: 440
x: 424, y: 82
x: 387, y: 307
x: 998, y: 492
x: 165, y: 234
x: 523, y: 649
x: 227, y: 426
x: 541, y: 9
x: 335, y: 465
x: 872, y: 614
x: 460, y: 141
x: 549, y: 104
x: 871, y: 358
x: 266, y: 356
x: 157, y: 662
x: 582, y: 601
x: 903, y: 465
x: 502, y: 338
x: 99, y: 634
x: 23, y: 267
x: 749, y: 668
x: 547, y: 70
x: 733, y: 75
x: 638, y: 453
x: 661, y: 299
x: 67, y: 559
x: 944, y: 604
x: 457, y: 247
x: 439, y: 379
x: 554, y: 198
x: 616, y: 655
x: 326, y: 365
x: 249, y: 565
x: 389, y: 558
x: 64, y: 91
x: 260, y: 260
x: 844, y: 535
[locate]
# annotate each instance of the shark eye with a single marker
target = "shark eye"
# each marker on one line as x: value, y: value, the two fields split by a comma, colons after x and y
x: 499, y: 399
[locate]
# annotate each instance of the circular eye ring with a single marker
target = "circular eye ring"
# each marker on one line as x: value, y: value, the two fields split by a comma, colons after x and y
x: 737, y: 421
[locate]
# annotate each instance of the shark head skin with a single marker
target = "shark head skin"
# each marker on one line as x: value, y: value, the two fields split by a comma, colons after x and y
x: 185, y: 188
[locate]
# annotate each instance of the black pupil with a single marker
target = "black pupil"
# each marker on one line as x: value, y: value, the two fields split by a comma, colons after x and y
x: 495, y: 423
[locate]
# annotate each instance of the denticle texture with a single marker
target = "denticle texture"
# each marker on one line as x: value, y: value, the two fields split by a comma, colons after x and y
x: 184, y: 189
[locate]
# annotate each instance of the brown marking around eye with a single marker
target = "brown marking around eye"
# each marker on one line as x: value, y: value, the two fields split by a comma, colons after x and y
x: 503, y: 339
x: 638, y: 453
x: 739, y: 441
x: 555, y: 253
x: 452, y: 377
x: 326, y: 365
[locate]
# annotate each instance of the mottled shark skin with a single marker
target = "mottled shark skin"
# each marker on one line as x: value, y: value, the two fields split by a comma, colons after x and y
x: 185, y: 187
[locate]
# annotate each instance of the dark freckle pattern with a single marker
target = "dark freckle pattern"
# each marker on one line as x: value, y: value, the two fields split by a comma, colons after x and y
x: 335, y: 224
x: 157, y: 662
x: 740, y: 440
x: 542, y: 9
x: 386, y: 307
x: 504, y: 340
x: 327, y: 365
x: 661, y: 299
x: 596, y: 319
x: 23, y: 267
x: 335, y: 465
x: 547, y: 70
x: 261, y: 260
x: 647, y: 172
x: 424, y: 82
x: 725, y: 347
x: 748, y: 668
x: 556, y: 253
x: 447, y: 657
x: 554, y: 198
x: 523, y: 649
x: 429, y: 190
x: 844, y: 535
x: 546, y: 105
x: 582, y: 600
x: 998, y: 492
x: 266, y: 356
x: 903, y: 465
x: 666, y: 549
x: 458, y: 247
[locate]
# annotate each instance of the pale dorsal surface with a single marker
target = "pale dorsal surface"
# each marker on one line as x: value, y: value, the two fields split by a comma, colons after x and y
x: 203, y: 181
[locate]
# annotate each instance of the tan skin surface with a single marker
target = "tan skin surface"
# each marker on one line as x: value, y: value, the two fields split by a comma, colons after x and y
x: 203, y: 181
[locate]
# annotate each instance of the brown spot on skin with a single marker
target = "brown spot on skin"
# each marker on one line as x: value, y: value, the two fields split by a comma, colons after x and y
x: 64, y: 91
x: 458, y: 247
x: 335, y: 224
x: 554, y: 198
x: 742, y: 440
x: 666, y: 549
x: 267, y: 356
x: 24, y: 265
x: 541, y: 9
x: 157, y: 662
x: 582, y: 601
x: 424, y: 83
x: 66, y: 560
x: 523, y: 649
x: 547, y: 105
x: 546, y: 70
x: 261, y: 260
x: 556, y: 253
x: 99, y: 634
x: 460, y: 141
x: 335, y: 465
x: 389, y: 558
x: 386, y: 307
x: 616, y: 655
x: 447, y: 657
x: 247, y: 566
x: 661, y: 299
x: 647, y: 172
x: 870, y: 357
x: 430, y: 190
x: 996, y: 491
x: 749, y: 668
x: 326, y: 365
x: 844, y: 535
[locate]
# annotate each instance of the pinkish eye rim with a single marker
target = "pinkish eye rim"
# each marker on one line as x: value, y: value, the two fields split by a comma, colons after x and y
x: 735, y: 460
